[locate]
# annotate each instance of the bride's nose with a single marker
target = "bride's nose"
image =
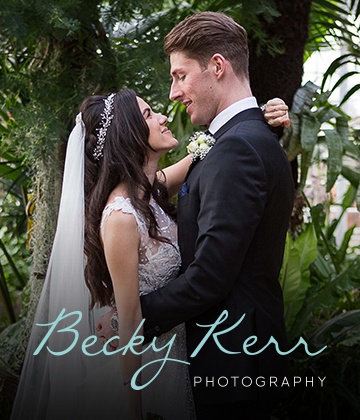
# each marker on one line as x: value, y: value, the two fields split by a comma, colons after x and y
x: 99, y: 326
x: 163, y: 119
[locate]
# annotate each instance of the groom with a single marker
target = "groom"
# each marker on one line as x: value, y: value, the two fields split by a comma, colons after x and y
x: 233, y: 215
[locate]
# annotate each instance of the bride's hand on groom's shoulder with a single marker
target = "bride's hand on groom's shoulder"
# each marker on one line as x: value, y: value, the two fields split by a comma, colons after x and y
x: 276, y: 113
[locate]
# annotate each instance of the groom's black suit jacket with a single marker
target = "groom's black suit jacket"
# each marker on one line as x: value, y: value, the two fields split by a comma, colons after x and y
x: 232, y: 223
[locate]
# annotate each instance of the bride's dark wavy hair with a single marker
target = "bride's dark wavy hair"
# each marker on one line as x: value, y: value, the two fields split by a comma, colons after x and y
x: 124, y: 155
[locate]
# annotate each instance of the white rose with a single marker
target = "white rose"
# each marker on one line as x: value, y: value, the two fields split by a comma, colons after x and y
x: 191, y: 148
x: 201, y: 138
x: 204, y: 146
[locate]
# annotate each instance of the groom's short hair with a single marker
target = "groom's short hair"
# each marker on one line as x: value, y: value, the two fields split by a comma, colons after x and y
x: 204, y: 34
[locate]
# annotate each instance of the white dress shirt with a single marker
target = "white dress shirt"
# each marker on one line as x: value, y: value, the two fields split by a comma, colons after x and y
x: 231, y: 111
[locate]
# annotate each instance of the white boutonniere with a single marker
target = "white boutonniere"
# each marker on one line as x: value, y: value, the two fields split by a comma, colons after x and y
x: 199, y: 145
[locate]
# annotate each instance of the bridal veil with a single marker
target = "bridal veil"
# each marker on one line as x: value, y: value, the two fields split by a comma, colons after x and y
x: 55, y: 367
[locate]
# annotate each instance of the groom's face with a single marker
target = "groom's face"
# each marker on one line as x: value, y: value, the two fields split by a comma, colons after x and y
x: 194, y: 86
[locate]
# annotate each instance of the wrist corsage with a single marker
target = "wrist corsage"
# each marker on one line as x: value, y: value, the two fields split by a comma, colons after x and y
x: 199, y: 145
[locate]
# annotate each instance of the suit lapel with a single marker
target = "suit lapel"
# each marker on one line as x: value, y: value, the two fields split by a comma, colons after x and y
x: 252, y: 113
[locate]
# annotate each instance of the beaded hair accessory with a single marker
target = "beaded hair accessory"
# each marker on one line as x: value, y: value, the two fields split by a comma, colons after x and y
x: 106, y: 118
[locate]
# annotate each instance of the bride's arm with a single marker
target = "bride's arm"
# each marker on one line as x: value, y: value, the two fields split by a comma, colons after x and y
x: 121, y: 246
x: 275, y: 113
x: 173, y: 176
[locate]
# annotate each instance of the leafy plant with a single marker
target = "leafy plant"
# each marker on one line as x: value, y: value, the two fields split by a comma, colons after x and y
x: 341, y: 63
x: 294, y: 278
x: 317, y: 122
x: 320, y: 280
x: 13, y: 197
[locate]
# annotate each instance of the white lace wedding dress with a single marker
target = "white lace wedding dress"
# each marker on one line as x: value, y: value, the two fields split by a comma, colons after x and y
x: 170, y: 394
x: 77, y: 386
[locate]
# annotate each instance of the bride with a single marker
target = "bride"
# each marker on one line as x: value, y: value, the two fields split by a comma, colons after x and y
x: 114, y: 205
x: 111, y: 182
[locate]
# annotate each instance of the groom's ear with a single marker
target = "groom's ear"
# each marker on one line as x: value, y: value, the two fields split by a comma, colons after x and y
x: 218, y: 64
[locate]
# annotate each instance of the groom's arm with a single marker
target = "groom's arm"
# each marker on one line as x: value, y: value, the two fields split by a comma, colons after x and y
x: 232, y: 187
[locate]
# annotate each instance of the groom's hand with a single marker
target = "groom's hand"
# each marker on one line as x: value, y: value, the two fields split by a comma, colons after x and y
x: 104, y: 331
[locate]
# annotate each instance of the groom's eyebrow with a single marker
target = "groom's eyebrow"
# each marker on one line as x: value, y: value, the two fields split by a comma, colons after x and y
x: 175, y: 71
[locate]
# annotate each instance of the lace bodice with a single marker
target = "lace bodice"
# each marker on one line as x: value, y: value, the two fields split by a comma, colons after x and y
x: 159, y: 262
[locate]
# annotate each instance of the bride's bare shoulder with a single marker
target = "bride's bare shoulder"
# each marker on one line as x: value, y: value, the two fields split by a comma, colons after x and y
x: 118, y: 191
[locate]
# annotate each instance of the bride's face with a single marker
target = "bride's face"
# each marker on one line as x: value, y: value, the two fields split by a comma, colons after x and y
x: 160, y: 137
